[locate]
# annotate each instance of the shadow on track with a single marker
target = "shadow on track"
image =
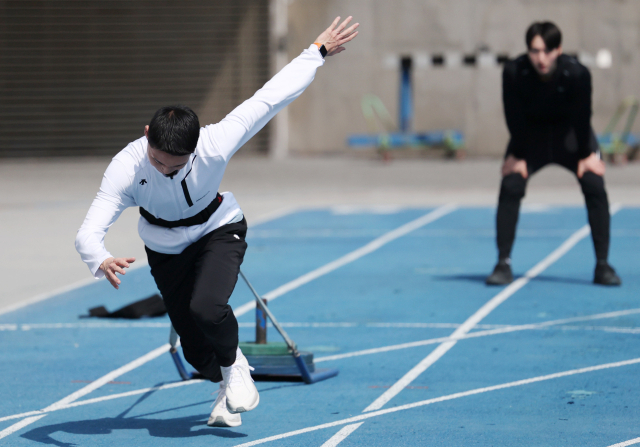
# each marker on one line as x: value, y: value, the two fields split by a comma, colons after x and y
x: 482, y: 278
x: 160, y: 428
x: 179, y: 428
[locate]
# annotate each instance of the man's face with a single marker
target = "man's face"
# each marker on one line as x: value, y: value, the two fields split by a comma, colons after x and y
x: 542, y: 59
x: 167, y: 164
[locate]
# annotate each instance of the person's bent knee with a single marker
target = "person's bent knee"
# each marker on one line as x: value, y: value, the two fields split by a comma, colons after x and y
x: 209, y: 314
x: 592, y: 184
x: 513, y: 186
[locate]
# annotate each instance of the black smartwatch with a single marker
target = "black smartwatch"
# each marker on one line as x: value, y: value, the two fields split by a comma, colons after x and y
x: 323, y: 50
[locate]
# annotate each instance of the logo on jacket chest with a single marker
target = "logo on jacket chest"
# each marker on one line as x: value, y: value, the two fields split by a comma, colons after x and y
x: 143, y: 181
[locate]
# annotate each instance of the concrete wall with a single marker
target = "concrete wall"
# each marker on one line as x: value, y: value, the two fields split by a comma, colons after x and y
x: 464, y: 97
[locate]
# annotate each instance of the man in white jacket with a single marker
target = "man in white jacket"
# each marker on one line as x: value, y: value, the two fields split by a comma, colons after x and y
x: 194, y: 236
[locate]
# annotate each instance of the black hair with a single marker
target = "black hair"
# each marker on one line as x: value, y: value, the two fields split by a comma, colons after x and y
x: 549, y: 32
x: 174, y: 130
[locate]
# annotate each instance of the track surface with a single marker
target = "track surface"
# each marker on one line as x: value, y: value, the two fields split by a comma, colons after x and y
x: 409, y: 286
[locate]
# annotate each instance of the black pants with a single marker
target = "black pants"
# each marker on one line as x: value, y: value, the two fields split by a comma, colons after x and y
x: 513, y: 189
x: 196, y: 285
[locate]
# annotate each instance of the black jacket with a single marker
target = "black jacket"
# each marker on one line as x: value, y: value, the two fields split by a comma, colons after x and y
x: 543, y: 116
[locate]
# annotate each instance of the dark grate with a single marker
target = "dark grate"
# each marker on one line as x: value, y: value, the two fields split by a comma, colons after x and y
x: 85, y: 77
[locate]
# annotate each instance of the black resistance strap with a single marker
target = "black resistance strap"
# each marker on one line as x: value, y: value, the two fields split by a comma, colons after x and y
x: 200, y: 218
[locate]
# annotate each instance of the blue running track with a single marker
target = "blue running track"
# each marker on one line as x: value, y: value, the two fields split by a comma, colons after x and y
x: 409, y: 293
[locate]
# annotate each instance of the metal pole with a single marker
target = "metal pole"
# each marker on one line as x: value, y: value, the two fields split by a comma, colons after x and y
x: 266, y: 310
x: 261, y: 325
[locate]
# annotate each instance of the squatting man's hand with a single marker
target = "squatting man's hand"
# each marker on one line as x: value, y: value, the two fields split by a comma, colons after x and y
x: 333, y: 38
x: 591, y: 163
x: 111, y: 266
x: 513, y: 165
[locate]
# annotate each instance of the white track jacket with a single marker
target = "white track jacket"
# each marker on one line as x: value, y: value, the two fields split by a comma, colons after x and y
x: 131, y: 180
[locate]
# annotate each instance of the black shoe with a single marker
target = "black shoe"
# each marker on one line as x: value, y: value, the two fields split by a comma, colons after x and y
x: 606, y: 275
x: 501, y: 274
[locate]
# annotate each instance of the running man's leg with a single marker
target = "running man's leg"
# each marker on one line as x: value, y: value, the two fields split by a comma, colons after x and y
x: 175, y: 278
x: 216, y: 270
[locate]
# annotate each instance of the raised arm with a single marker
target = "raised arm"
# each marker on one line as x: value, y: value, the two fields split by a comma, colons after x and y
x: 230, y: 134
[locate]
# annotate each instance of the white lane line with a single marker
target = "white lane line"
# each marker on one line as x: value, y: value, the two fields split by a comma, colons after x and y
x: 96, y: 325
x: 615, y: 314
x: 47, y: 295
x: 94, y: 385
x: 474, y: 319
x: 478, y: 334
x: 424, y: 233
x: 626, y: 443
x: 341, y: 435
x: 163, y: 325
x: 61, y: 290
x: 20, y: 425
x: 350, y: 257
x: 21, y: 415
x: 442, y: 399
x: 496, y: 331
x: 96, y: 400
x: 273, y: 215
x: 620, y: 330
x: 109, y: 377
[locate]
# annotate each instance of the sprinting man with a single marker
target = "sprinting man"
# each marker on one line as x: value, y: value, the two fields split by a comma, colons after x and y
x: 547, y: 105
x: 195, y: 237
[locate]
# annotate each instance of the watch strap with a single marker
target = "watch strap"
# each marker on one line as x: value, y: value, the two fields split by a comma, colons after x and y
x: 321, y: 48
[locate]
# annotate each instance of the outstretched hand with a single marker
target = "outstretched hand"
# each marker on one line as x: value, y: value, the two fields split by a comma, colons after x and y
x: 336, y: 35
x: 111, y: 266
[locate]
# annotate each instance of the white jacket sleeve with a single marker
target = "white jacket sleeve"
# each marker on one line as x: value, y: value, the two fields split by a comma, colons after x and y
x: 230, y: 134
x: 112, y: 199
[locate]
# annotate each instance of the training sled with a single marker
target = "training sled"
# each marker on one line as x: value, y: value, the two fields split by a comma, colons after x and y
x: 271, y: 361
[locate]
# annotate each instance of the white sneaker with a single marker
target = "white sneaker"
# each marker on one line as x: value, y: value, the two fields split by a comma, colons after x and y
x: 241, y: 393
x: 220, y: 416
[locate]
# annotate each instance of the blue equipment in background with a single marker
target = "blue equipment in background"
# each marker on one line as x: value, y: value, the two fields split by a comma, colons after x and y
x: 623, y: 143
x: 406, y: 96
x: 402, y: 135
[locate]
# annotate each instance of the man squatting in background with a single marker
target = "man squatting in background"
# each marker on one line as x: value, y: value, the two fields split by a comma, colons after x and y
x: 547, y: 105
x: 195, y: 237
